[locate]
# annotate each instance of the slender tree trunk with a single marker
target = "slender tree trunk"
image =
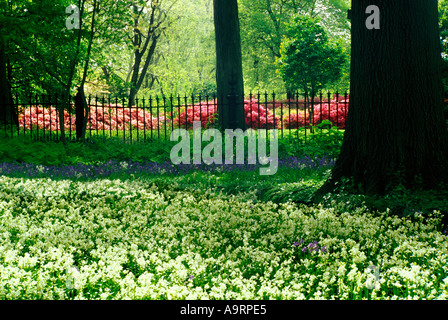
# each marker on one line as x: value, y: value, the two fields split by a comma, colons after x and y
x: 145, y: 46
x: 132, y: 95
x: 229, y: 71
x: 66, y: 98
x: 395, y: 130
x: 137, y: 75
x: 134, y: 79
x: 86, y: 69
x: 257, y: 71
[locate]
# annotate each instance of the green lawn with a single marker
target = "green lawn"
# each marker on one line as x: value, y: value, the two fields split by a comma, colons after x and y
x: 161, y: 134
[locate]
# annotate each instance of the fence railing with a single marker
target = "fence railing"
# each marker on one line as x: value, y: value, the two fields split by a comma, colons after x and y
x: 157, y: 117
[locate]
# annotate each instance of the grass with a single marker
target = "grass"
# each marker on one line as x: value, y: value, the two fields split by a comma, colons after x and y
x: 132, y: 233
x: 25, y: 148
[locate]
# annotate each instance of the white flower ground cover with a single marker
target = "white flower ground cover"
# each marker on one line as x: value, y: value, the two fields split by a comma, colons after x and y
x: 118, y: 239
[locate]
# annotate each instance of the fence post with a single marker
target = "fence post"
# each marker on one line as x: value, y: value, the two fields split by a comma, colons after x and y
x: 251, y: 124
x: 144, y: 120
x: 164, y: 115
x: 273, y: 108
x: 18, y: 115
x: 312, y: 112
x: 232, y: 98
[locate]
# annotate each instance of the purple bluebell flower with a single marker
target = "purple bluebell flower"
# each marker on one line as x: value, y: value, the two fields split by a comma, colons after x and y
x: 111, y: 167
x: 313, y: 246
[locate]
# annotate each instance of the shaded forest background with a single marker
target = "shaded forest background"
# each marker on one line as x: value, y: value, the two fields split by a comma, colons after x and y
x: 38, y: 51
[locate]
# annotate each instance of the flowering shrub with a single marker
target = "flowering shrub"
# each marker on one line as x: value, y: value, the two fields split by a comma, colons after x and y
x: 124, y: 239
x: 294, y: 120
x: 335, y: 112
x: 43, y: 118
x: 258, y: 116
x: 99, y: 119
x: 205, y: 112
x: 123, y: 118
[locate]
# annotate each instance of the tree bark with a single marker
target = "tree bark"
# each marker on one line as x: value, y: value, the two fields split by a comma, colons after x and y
x: 66, y: 97
x: 7, y: 113
x: 229, y: 71
x: 86, y: 69
x: 395, y: 130
x: 149, y: 46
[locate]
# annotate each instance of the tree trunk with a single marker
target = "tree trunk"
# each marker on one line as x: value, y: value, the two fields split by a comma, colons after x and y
x: 137, y: 75
x: 7, y: 113
x: 132, y: 95
x: 142, y: 45
x: 395, y: 131
x: 86, y: 69
x: 65, y: 105
x: 229, y: 71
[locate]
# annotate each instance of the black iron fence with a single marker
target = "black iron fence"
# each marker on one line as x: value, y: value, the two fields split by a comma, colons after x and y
x: 156, y: 117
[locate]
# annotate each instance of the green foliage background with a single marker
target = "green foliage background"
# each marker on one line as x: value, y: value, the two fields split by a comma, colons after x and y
x: 309, y: 60
x: 39, y: 47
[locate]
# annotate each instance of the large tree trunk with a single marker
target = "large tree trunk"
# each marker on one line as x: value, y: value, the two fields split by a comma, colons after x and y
x: 7, y: 112
x: 229, y: 71
x: 395, y: 131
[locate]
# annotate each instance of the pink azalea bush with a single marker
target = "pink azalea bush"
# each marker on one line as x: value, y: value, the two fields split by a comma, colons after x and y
x: 205, y: 112
x: 43, y: 118
x: 126, y: 118
x: 258, y: 116
x: 99, y: 119
x: 335, y: 112
x: 294, y: 120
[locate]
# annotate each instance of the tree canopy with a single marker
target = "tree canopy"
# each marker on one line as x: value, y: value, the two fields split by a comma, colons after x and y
x: 39, y: 48
x: 264, y: 24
